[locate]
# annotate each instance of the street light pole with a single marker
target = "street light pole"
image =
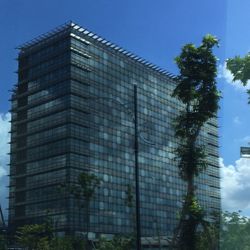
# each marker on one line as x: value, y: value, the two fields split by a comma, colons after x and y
x: 137, y: 189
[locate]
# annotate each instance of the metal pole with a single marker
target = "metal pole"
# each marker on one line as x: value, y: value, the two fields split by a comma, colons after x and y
x: 1, y: 217
x: 137, y: 190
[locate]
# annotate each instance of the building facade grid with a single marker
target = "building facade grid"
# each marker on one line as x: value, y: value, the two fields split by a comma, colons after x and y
x: 65, y: 121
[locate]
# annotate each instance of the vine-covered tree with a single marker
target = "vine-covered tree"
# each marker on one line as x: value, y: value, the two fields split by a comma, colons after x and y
x: 197, y: 91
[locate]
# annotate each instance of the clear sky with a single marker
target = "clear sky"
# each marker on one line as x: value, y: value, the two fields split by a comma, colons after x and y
x: 155, y: 30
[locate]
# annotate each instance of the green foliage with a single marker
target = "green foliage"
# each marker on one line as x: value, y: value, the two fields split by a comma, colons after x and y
x: 235, y: 231
x: 43, y: 244
x: 240, y: 68
x: 129, y: 197
x: 34, y: 236
x: 79, y: 243
x: 196, y: 156
x: 117, y: 243
x: 37, y: 237
x: 3, y: 243
x: 197, y: 91
x: 83, y: 192
x: 208, y: 238
x: 62, y: 243
x: 195, y: 209
x: 88, y: 183
x: 197, y: 80
x: 85, y: 188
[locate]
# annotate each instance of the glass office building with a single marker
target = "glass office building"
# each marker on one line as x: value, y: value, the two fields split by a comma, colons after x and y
x: 71, y: 114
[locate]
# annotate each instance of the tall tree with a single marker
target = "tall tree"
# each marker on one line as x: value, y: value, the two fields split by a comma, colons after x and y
x: 197, y: 91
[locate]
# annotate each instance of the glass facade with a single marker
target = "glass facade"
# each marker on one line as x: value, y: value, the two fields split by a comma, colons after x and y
x: 71, y: 114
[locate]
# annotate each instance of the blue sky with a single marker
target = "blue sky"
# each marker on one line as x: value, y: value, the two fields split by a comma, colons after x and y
x: 155, y: 30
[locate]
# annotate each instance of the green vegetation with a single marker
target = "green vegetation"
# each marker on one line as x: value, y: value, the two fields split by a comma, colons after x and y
x: 240, y: 68
x: 235, y: 232
x: 3, y: 242
x: 198, y: 93
x: 117, y: 243
x: 235, y: 235
x: 208, y: 238
x: 35, y: 236
x: 83, y: 193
